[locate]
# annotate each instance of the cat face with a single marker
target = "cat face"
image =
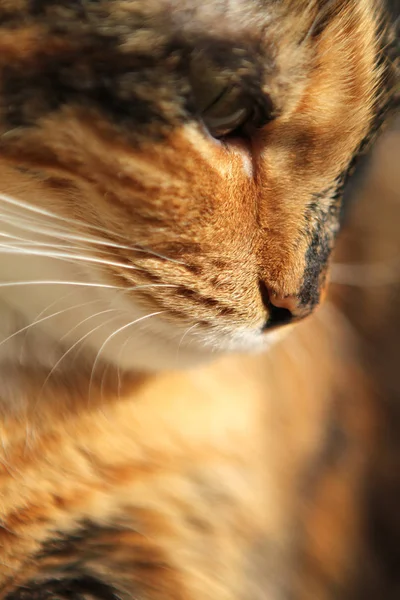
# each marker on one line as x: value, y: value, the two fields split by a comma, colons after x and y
x: 178, y: 164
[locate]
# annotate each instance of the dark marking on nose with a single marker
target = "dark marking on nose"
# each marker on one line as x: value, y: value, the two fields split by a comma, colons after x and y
x: 316, y: 259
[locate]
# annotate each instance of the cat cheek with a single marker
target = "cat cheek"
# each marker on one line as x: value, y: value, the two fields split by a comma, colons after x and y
x: 242, y: 148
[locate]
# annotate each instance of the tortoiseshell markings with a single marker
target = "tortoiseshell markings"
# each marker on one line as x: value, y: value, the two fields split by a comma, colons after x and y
x: 67, y: 588
x: 219, y: 309
x: 70, y: 559
x: 317, y: 257
x: 196, y: 269
x: 149, y: 276
x: 207, y: 301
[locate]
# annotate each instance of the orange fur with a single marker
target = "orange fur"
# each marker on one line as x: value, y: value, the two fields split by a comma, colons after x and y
x: 123, y: 475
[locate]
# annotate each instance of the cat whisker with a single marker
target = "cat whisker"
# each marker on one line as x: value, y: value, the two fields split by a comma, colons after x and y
x: 93, y: 316
x: 46, y: 213
x: 188, y: 330
x: 60, y: 282
x: 35, y: 248
x: 41, y: 320
x: 67, y: 229
x: 43, y: 312
x: 111, y: 336
x: 64, y: 256
x: 11, y: 240
x: 151, y: 285
x: 23, y: 223
x: 77, y: 342
x: 146, y: 250
x: 8, y: 248
x: 105, y: 246
x: 49, y: 306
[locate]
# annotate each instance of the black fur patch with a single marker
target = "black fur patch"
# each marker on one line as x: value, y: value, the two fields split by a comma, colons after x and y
x: 318, y: 254
x: 97, y: 561
x: 91, y: 73
x: 100, y: 56
x: 37, y: 7
x: 76, y: 588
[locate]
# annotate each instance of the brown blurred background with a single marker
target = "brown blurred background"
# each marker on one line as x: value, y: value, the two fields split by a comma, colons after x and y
x: 367, y: 288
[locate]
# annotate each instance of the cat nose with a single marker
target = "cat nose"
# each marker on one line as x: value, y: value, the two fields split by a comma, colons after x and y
x: 288, y: 303
x: 281, y: 309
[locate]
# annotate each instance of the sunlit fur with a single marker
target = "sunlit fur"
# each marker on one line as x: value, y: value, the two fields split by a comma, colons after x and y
x: 132, y: 245
x: 179, y: 194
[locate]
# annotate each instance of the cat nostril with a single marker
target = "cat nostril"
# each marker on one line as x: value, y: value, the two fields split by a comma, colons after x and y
x: 278, y: 313
x: 277, y: 316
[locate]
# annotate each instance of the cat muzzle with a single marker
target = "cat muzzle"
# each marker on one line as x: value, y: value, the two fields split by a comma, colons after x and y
x: 283, y: 309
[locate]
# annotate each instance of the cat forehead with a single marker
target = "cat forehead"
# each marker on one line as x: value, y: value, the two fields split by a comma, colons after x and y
x: 117, y: 20
x: 184, y: 21
x: 115, y: 53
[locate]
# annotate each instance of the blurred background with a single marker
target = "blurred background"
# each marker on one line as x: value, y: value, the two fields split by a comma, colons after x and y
x: 368, y: 282
x: 366, y: 290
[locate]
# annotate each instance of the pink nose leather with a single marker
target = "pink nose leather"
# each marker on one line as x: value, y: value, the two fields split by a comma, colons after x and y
x: 281, y: 309
x: 289, y: 302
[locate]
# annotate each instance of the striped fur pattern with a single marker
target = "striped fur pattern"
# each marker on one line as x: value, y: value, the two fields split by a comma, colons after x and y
x: 142, y: 457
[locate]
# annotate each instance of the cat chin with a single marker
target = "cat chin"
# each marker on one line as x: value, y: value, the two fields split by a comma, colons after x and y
x: 162, y: 352
x: 140, y: 340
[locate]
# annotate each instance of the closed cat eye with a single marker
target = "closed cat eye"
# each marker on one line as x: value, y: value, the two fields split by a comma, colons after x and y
x: 224, y: 106
x: 226, y: 113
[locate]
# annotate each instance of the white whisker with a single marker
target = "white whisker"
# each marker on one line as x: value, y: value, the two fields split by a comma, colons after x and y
x: 58, y: 282
x: 46, y: 213
x: 111, y: 336
x: 12, y: 240
x: 77, y: 325
x: 77, y: 342
x: 41, y: 320
x: 108, y: 246
x: 151, y: 285
x: 93, y: 239
x: 158, y: 255
x: 119, y: 354
x: 188, y: 330
x: 49, y: 306
x: 21, y: 223
x: 42, y: 312
x: 64, y: 256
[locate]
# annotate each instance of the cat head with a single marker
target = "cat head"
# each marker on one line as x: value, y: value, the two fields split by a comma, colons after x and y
x: 180, y: 164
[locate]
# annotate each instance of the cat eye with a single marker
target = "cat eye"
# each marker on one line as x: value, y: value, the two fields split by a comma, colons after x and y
x: 223, y: 105
x: 226, y: 113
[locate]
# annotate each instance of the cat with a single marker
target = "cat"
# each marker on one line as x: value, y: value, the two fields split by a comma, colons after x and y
x: 171, y: 184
